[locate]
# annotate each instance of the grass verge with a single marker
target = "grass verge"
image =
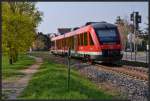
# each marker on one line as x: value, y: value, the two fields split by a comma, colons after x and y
x: 50, y: 82
x: 12, y: 70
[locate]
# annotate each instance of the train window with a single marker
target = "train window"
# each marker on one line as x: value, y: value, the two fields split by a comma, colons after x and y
x: 72, y: 42
x: 63, y: 43
x: 81, y: 39
x: 60, y: 43
x: 67, y: 42
x: 57, y: 43
x: 107, y: 35
x: 85, y: 39
x: 78, y: 40
x: 75, y: 41
x: 91, y: 40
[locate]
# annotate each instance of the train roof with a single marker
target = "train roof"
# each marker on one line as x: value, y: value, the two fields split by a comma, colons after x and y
x: 101, y: 25
x: 95, y: 25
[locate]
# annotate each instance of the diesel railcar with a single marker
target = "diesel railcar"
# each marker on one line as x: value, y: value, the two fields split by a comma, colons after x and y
x: 98, y: 41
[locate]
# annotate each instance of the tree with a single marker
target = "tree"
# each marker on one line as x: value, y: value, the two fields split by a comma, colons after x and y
x: 124, y: 28
x: 20, y: 20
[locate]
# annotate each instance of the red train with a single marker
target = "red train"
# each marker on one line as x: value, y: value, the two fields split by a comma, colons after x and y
x: 94, y: 41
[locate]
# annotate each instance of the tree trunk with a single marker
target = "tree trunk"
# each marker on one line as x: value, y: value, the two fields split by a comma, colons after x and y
x: 10, y: 57
x: 10, y: 60
x: 14, y: 58
x: 15, y: 55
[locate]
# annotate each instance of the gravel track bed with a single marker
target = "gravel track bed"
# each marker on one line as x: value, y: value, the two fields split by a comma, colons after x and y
x: 133, y: 89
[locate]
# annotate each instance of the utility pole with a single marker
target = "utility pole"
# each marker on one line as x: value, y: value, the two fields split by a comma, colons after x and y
x: 147, y: 55
x: 69, y: 56
x: 126, y: 49
x: 136, y: 18
x: 132, y: 19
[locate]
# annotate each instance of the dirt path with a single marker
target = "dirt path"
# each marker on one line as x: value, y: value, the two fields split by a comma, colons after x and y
x: 13, y: 88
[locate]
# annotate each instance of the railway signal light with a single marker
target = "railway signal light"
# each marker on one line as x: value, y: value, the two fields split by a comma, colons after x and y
x: 139, y: 19
x: 136, y: 18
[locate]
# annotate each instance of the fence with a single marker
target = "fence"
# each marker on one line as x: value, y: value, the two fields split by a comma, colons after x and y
x: 137, y: 52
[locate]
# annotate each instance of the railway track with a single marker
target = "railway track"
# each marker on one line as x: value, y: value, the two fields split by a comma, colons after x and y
x: 135, y: 73
x: 142, y: 70
x: 138, y: 73
x: 130, y: 71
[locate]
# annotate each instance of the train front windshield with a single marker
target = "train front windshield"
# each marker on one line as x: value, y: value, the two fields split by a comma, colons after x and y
x: 107, y: 35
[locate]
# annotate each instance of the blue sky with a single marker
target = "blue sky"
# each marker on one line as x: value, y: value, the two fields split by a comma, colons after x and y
x: 73, y: 14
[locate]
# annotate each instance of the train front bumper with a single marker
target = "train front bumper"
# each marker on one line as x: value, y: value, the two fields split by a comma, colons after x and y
x: 108, y: 58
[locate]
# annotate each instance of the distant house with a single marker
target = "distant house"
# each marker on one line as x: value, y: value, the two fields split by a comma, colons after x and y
x: 63, y: 30
x: 52, y: 35
x: 41, y: 42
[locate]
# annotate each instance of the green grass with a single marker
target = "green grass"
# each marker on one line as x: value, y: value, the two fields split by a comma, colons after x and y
x: 12, y: 70
x: 50, y: 82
